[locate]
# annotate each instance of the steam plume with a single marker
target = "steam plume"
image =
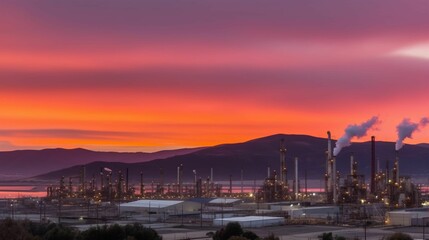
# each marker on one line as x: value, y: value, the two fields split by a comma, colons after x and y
x: 354, y: 131
x: 406, y: 129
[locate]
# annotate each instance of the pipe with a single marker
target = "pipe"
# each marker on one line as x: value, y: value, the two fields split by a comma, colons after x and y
x: 241, y: 181
x: 305, y: 182
x: 329, y: 181
x: 397, y: 168
x: 178, y: 175
x: 126, y: 183
x: 141, y: 184
x: 230, y: 183
x: 329, y: 145
x: 296, y: 179
x: 101, y: 179
x: 373, y: 165
x: 282, y: 161
x: 334, y: 180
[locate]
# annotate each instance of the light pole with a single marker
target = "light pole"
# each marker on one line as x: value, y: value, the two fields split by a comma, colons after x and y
x: 11, y: 210
x: 365, y: 224
x: 41, y: 208
x: 364, y: 227
x: 424, y: 226
x: 195, y: 180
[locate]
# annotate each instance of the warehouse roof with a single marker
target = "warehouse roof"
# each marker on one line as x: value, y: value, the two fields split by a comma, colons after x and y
x: 152, y: 203
x: 249, y: 218
x: 224, y: 200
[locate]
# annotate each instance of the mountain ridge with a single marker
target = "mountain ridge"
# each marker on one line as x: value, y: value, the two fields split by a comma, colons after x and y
x: 255, y: 155
x: 51, y: 159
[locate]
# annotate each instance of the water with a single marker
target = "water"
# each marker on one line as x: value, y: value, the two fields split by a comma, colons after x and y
x: 7, y: 191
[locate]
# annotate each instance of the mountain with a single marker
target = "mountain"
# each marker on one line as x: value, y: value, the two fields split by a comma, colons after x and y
x: 256, y: 155
x: 426, y: 145
x: 26, y: 163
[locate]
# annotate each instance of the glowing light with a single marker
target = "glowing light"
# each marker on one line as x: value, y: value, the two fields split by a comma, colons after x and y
x: 417, y: 51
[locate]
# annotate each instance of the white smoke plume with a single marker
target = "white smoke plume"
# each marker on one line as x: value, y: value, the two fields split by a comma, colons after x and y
x: 406, y: 129
x: 354, y: 131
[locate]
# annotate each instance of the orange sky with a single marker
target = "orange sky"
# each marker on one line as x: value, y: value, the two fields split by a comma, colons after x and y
x: 150, y: 76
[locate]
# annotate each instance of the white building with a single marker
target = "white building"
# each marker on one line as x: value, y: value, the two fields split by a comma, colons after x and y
x: 164, y: 207
x: 408, y: 217
x: 250, y: 221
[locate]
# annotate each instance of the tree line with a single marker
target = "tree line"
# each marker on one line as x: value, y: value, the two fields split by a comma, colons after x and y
x: 28, y: 230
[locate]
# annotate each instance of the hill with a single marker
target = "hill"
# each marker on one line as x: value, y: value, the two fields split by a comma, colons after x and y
x: 26, y: 163
x: 256, y: 155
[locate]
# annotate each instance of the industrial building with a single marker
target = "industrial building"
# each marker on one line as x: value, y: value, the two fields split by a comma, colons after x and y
x: 408, y: 217
x: 161, y: 206
x: 317, y: 212
x: 250, y: 221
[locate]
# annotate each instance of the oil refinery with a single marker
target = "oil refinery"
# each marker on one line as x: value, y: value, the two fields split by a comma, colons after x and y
x: 285, y: 197
x: 348, y: 197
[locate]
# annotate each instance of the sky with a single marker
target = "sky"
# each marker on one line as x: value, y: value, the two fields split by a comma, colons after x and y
x: 151, y: 75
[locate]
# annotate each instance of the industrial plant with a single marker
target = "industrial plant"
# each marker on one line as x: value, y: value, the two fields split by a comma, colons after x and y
x: 282, y: 197
x: 347, y: 196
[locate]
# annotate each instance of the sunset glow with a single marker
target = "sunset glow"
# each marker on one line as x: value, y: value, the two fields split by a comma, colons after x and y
x: 147, y: 76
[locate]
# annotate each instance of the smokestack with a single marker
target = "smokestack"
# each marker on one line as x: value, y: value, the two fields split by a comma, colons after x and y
x: 195, y: 176
x: 126, y: 183
x: 305, y: 181
x: 241, y: 181
x: 195, y: 181
x: 334, y: 179
x: 211, y: 174
x: 178, y: 175
x: 352, y: 161
x: 83, y: 176
x: 230, y: 183
x: 141, y: 184
x: 329, y: 145
x: 296, y: 179
x: 373, y: 165
x: 101, y: 179
x: 397, y: 167
x: 387, y: 172
x: 161, y: 182
x: 268, y: 172
x: 282, y: 161
x: 329, y: 166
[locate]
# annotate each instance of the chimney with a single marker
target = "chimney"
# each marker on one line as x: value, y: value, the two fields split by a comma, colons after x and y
x: 296, y: 179
x: 282, y: 162
x: 230, y: 184
x: 396, y: 168
x: 126, y: 183
x: 141, y: 184
x: 242, y: 187
x: 328, y: 174
x: 334, y: 180
x: 373, y: 166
